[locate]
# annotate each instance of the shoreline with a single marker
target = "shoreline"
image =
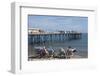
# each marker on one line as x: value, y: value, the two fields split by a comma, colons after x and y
x: 75, y: 56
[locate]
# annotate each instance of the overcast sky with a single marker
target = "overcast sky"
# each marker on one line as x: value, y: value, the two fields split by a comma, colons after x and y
x: 55, y: 23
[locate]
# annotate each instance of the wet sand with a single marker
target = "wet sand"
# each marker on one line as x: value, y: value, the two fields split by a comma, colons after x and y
x: 73, y: 57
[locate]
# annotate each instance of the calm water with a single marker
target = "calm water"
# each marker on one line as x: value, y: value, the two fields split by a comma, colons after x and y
x: 80, y: 44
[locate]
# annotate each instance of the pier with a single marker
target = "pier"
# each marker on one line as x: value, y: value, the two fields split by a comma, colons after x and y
x: 48, y: 37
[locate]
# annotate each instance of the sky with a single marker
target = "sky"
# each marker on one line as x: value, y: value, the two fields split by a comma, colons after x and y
x: 56, y: 23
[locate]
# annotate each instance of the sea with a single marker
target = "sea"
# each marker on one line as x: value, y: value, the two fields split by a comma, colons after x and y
x: 81, y: 45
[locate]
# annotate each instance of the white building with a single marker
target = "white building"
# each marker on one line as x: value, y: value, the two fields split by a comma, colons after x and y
x: 35, y: 30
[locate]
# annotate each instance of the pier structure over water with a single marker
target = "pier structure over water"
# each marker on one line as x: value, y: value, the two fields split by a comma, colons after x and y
x: 41, y: 37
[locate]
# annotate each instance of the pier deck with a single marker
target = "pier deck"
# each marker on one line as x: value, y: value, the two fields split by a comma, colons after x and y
x: 45, y: 37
